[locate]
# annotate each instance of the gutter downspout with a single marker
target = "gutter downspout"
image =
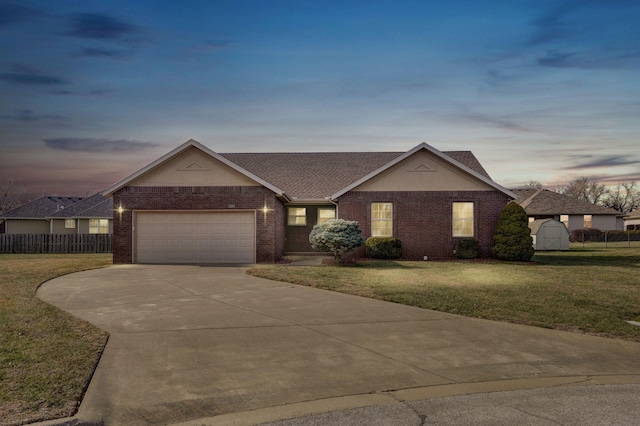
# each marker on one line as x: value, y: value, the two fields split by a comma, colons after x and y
x: 335, y: 204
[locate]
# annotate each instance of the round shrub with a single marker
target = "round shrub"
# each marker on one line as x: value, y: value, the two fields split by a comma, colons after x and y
x: 467, y: 248
x: 338, y: 236
x: 512, y: 240
x: 383, y: 248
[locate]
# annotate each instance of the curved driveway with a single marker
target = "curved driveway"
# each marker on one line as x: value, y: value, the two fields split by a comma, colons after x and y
x: 191, y: 342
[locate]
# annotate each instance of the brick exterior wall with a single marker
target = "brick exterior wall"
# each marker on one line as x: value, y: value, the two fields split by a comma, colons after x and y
x: 423, y: 220
x: 269, y: 229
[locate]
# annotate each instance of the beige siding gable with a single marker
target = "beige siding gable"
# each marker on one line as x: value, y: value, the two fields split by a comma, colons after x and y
x: 423, y: 171
x: 193, y: 168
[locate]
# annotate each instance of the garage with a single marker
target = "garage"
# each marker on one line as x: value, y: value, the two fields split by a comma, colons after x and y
x: 194, y: 237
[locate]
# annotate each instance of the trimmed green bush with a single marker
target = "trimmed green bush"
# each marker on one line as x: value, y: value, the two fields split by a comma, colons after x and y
x: 338, y: 236
x: 512, y: 240
x: 467, y: 248
x: 587, y: 235
x: 383, y: 248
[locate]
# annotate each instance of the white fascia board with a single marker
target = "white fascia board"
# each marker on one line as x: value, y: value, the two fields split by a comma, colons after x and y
x: 190, y: 143
x: 310, y: 201
x: 437, y: 153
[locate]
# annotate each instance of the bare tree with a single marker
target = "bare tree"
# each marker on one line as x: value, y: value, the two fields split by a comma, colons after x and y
x: 10, y: 194
x: 586, y: 189
x: 534, y: 184
x: 624, y: 198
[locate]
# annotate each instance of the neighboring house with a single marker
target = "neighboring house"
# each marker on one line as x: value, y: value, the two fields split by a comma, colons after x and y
x: 574, y: 213
x: 194, y: 205
x: 60, y: 215
x: 91, y: 215
x: 31, y: 218
x: 632, y: 222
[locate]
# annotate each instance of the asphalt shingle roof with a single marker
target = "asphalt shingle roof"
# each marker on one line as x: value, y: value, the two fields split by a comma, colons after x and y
x: 545, y: 202
x: 95, y: 206
x: 316, y: 175
x: 42, y: 207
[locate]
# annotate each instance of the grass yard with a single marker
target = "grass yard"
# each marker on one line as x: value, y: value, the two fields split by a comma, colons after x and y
x: 47, y: 356
x: 592, y: 291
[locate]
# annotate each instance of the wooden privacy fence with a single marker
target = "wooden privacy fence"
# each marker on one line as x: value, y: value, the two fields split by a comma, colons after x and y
x: 55, y: 243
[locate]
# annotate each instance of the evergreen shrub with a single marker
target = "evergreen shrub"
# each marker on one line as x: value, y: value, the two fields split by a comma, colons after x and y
x: 512, y: 240
x: 467, y: 248
x: 383, y: 248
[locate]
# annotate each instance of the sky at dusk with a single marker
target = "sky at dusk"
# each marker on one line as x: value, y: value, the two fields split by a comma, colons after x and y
x: 90, y: 91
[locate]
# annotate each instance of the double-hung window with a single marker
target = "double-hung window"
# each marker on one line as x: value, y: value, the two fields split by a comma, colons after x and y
x: 69, y: 223
x: 325, y: 214
x: 98, y: 226
x: 381, y: 219
x: 463, y: 219
x: 297, y: 216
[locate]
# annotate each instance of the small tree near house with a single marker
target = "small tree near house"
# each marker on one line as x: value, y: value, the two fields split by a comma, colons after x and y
x: 338, y: 236
x: 512, y: 240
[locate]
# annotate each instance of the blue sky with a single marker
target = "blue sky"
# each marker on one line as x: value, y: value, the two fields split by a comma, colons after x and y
x: 539, y: 90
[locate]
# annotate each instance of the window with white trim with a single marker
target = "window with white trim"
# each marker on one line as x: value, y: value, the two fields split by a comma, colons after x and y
x: 297, y: 216
x: 69, y: 223
x: 381, y: 219
x: 98, y: 226
x: 588, y: 221
x: 462, y: 219
x: 325, y: 214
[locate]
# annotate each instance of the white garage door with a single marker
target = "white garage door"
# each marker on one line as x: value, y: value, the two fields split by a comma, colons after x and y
x: 195, y: 237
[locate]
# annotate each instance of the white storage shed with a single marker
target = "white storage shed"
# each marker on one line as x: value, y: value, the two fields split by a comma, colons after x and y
x: 549, y: 234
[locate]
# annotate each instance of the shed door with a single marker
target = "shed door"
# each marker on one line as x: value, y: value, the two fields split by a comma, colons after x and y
x: 194, y: 237
x: 551, y: 237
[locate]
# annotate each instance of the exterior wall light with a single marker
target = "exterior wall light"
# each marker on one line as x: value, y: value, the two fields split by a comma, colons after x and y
x: 265, y: 209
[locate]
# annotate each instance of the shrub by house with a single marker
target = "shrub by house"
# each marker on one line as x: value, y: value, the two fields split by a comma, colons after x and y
x: 512, y: 240
x: 467, y: 248
x: 338, y: 236
x: 383, y: 248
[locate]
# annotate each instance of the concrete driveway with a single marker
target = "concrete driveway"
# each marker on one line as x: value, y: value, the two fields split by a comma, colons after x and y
x: 193, y: 342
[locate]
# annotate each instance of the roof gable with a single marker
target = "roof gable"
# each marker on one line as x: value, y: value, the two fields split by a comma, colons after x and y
x: 193, y: 167
x: 537, y: 224
x: 423, y: 171
x: 186, y: 162
x: 442, y: 157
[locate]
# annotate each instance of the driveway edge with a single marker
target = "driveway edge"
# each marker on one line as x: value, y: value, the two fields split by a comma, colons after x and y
x: 310, y: 408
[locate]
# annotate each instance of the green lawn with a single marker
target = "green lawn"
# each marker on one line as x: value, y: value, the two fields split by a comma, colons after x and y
x: 47, y: 356
x: 592, y: 291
